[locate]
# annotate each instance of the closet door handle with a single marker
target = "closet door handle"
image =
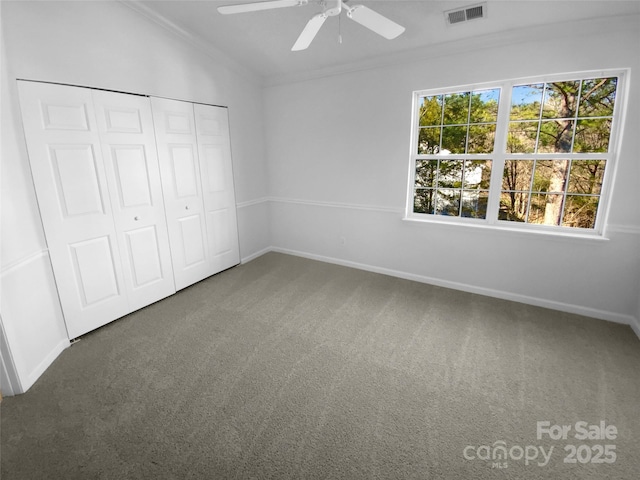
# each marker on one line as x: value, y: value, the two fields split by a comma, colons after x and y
x: 187, y: 207
x: 136, y: 218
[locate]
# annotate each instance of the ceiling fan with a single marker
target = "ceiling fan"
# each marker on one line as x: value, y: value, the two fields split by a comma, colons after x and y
x: 331, y: 8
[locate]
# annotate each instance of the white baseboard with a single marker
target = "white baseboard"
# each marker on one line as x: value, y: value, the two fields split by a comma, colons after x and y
x: 635, y: 326
x: 633, y: 322
x: 44, y: 364
x: 253, y: 256
x: 538, y: 302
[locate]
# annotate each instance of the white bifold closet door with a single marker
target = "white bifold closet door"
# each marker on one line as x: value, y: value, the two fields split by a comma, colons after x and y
x: 95, y: 170
x: 129, y: 152
x: 212, y: 132
x: 197, y: 180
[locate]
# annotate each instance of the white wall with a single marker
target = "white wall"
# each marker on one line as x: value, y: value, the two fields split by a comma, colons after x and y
x: 104, y: 45
x: 336, y: 169
x: 338, y: 155
x: 636, y: 323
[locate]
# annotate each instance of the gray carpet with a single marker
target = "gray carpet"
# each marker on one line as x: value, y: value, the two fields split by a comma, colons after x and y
x: 294, y: 369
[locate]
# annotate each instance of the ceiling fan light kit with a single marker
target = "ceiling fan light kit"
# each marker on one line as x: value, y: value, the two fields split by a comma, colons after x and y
x: 358, y: 13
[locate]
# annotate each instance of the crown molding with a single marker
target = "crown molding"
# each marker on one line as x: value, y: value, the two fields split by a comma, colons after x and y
x: 196, y: 41
x: 444, y: 49
x: 422, y: 53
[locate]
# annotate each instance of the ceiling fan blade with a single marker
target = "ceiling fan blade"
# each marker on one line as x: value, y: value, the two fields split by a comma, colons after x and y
x: 256, y: 6
x: 374, y: 21
x: 309, y: 33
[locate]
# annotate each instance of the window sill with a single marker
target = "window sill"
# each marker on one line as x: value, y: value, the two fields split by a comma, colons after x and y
x: 542, y: 233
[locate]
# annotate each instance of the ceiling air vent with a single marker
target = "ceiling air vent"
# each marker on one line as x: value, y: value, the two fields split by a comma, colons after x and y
x: 460, y: 15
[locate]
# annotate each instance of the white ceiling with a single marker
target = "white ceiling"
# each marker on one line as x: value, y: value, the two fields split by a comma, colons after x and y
x: 261, y: 41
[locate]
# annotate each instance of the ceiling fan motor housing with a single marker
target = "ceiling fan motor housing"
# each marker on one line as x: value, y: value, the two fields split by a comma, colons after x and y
x: 333, y: 8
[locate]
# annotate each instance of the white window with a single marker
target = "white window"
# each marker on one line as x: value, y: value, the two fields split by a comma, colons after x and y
x: 534, y: 153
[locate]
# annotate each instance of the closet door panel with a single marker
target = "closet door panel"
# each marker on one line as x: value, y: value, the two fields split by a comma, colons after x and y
x: 212, y: 128
x: 76, y: 175
x: 131, y: 176
x: 93, y: 262
x: 182, y: 187
x: 68, y: 172
x: 125, y: 125
x: 144, y: 255
x: 184, y: 170
x: 191, y: 236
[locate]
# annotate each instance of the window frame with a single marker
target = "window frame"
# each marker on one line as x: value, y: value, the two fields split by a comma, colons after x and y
x: 500, y: 155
